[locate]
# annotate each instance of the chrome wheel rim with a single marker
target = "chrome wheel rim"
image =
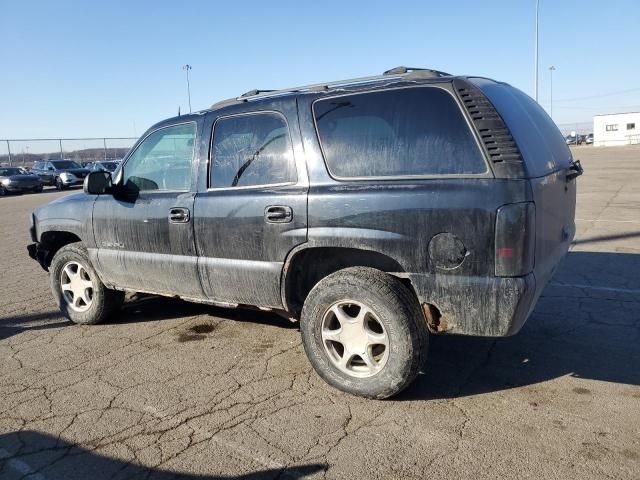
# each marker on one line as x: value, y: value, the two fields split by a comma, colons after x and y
x: 355, y: 339
x: 77, y: 286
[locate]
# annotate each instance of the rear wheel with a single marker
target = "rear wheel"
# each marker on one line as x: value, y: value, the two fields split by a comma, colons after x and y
x: 363, y: 332
x: 80, y: 294
x: 38, y: 189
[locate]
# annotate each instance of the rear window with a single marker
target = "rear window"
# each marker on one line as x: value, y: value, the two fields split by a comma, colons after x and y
x: 401, y: 132
x: 541, y: 143
x: 64, y: 164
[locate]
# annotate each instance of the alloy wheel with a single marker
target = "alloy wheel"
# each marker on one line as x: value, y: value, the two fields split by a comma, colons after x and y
x: 354, y: 339
x: 76, y: 286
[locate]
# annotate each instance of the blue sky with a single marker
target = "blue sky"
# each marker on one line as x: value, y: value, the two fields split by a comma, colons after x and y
x: 113, y: 68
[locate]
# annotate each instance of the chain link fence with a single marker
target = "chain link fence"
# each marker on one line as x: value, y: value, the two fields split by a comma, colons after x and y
x: 24, y: 152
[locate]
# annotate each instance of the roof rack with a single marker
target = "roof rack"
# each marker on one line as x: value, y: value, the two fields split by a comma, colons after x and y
x: 423, y: 71
x: 408, y: 73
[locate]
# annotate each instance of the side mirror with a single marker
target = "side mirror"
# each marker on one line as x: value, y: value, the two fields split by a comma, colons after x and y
x: 97, y: 183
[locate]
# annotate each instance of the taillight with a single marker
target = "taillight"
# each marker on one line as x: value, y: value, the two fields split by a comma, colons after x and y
x: 515, y: 239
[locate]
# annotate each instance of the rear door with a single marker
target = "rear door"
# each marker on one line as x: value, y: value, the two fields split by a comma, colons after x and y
x: 251, y: 208
x: 144, y: 232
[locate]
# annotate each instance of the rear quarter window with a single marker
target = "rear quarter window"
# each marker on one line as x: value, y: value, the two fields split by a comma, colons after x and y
x: 417, y: 131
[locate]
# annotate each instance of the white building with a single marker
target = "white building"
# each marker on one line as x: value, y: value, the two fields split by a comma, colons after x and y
x: 616, y: 129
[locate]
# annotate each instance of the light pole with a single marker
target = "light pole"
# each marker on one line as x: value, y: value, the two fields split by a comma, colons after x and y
x: 551, y: 69
x: 536, y: 50
x: 188, y: 67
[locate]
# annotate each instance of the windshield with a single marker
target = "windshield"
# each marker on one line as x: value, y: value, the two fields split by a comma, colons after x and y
x: 62, y: 164
x: 7, y: 172
x: 111, y: 166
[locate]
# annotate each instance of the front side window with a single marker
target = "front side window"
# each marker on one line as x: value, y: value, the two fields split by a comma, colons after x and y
x: 163, y: 160
x: 251, y: 150
x: 612, y: 128
x: 631, y: 126
x: 402, y: 132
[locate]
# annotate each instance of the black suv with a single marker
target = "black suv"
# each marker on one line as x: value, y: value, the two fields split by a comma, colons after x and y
x: 61, y: 173
x: 374, y: 210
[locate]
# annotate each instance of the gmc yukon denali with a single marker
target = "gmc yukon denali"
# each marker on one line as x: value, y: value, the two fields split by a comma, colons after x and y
x: 376, y: 211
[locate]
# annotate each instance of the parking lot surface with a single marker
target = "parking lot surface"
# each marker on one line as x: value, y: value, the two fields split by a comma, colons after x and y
x: 170, y: 389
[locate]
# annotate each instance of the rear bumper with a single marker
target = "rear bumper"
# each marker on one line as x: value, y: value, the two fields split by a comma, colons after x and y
x: 482, y: 306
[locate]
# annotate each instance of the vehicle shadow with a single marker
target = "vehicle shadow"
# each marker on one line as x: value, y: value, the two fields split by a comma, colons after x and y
x: 145, y: 308
x: 13, y: 325
x: 585, y: 325
x: 32, y: 454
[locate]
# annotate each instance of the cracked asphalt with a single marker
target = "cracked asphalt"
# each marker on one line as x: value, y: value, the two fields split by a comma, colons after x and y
x: 170, y: 389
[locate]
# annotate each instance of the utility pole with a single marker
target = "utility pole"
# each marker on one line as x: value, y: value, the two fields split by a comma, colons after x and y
x: 188, y: 67
x: 536, y: 50
x: 551, y: 69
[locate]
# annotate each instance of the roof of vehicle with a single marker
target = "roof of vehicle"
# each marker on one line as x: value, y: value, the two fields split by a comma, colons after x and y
x: 394, y: 75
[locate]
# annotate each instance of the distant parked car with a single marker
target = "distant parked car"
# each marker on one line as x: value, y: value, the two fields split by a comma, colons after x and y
x: 106, y: 166
x: 573, y: 140
x: 588, y: 139
x: 14, y: 180
x: 61, y: 173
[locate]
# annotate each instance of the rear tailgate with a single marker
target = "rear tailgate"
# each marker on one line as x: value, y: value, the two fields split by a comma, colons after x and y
x: 549, y: 168
x: 555, y: 199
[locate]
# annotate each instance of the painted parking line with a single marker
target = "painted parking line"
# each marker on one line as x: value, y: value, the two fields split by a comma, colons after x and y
x: 596, y: 287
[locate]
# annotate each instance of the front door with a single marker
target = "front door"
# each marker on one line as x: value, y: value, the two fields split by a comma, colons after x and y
x: 253, y: 210
x: 144, y: 232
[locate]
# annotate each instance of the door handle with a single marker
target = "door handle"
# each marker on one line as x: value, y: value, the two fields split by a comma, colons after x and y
x: 278, y: 214
x: 179, y: 215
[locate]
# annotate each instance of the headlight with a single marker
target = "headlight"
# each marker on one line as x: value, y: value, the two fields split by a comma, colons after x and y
x: 6, y: 181
x: 67, y: 177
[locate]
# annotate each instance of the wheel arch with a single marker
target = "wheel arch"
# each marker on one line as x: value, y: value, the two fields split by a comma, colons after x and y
x: 53, y: 240
x: 307, y: 265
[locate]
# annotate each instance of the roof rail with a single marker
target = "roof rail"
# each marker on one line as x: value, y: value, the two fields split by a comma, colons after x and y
x: 395, y: 73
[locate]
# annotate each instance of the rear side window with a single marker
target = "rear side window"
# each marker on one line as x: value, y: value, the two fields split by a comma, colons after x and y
x: 251, y: 150
x: 402, y: 132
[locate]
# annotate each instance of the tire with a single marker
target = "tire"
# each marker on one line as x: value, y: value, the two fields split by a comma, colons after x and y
x: 3, y: 191
x: 71, y: 266
x: 390, y: 307
x: 38, y: 189
x: 59, y: 185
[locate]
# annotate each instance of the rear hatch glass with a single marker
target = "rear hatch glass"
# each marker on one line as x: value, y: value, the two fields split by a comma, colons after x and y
x: 542, y: 145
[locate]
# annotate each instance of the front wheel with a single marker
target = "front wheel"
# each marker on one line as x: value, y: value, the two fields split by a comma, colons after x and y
x: 3, y: 191
x: 59, y: 184
x: 364, y: 333
x: 80, y: 294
